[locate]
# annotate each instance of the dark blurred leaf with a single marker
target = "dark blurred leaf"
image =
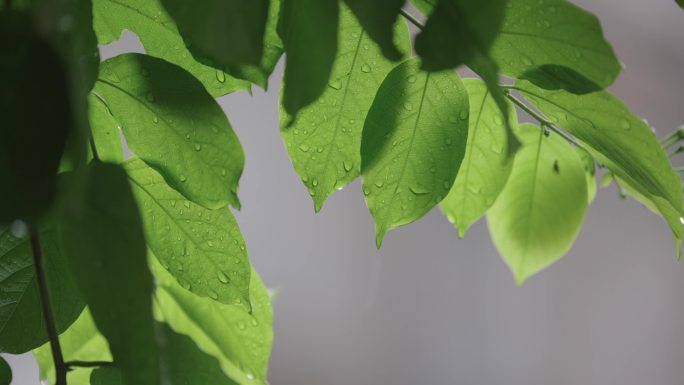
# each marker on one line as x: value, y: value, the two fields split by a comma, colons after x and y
x: 309, y: 31
x: 107, y: 376
x: 107, y: 251
x: 35, y: 119
x: 378, y: 19
x: 227, y: 32
x: 680, y: 2
x: 5, y: 372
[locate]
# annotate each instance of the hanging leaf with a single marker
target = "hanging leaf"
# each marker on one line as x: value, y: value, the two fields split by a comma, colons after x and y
x: 159, y: 35
x: 309, y: 31
x: 107, y: 376
x: 22, y: 323
x: 620, y: 141
x: 240, y: 341
x: 590, y: 173
x: 175, y: 126
x: 414, y: 140
x: 273, y: 50
x: 486, y: 166
x: 105, y: 130
x: 378, y: 19
x: 539, y: 213
x: 203, y: 249
x: 556, y: 43
x: 324, y: 140
x: 33, y: 133
x: 108, y: 255
x: 5, y: 372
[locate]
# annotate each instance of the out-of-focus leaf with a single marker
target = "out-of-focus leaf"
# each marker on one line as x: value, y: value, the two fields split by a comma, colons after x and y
x: 309, y: 31
x: 203, y: 249
x: 486, y: 166
x: 22, y: 324
x: 425, y: 6
x: 414, y: 140
x: 175, y: 126
x: 325, y: 139
x: 540, y: 211
x: 378, y: 19
x: 5, y: 372
x: 106, y: 247
x: 159, y: 35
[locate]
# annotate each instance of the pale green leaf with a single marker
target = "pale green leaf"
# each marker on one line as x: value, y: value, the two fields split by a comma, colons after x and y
x: 425, y: 6
x: 222, y: 31
x: 160, y: 37
x: 105, y: 130
x: 414, y: 140
x: 590, y: 173
x: 202, y: 248
x: 106, y: 248
x: 22, y: 324
x: 554, y: 39
x: 486, y: 166
x: 324, y: 140
x: 5, y: 372
x: 175, y: 126
x: 379, y: 19
x: 619, y: 140
x: 541, y: 209
x: 309, y: 31
x: 240, y: 341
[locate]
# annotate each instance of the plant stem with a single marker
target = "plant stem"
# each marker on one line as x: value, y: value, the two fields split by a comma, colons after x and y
x: 411, y: 18
x: 60, y: 367
x: 88, y: 364
x: 93, y: 148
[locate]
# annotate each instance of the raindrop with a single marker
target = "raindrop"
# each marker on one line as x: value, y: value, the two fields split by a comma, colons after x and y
x: 223, y: 277
x: 198, y: 147
x: 379, y: 183
x: 337, y: 85
x: 221, y: 76
x: 155, y: 119
x: 463, y: 115
x: 213, y: 295
x: 411, y: 79
x: 183, y: 178
x: 418, y: 190
x: 366, y: 68
x: 223, y: 172
x: 408, y: 106
x: 304, y: 147
x: 347, y: 165
x: 314, y: 182
x: 624, y: 123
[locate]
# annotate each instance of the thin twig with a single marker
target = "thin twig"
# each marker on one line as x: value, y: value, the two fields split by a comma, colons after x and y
x: 60, y: 367
x: 93, y: 148
x: 412, y: 19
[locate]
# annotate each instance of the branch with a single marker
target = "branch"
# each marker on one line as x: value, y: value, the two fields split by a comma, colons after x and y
x: 60, y: 367
x: 411, y: 18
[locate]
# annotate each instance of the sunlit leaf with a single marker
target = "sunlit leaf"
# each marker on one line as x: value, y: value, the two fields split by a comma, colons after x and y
x: 486, y: 166
x: 105, y: 130
x: 202, y: 248
x: 378, y: 19
x: 414, y: 140
x: 106, y: 247
x: 160, y: 37
x: 325, y: 139
x: 175, y: 126
x: 540, y: 211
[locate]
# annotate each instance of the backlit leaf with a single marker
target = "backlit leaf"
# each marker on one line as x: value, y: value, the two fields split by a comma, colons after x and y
x: 540, y: 211
x: 414, y: 140
x: 175, y: 126
x: 378, y: 19
x: 106, y: 131
x: 325, y: 139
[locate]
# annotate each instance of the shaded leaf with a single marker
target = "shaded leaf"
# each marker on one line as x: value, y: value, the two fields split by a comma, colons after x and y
x: 105, y: 130
x: 107, y: 376
x: 554, y: 39
x: 22, y: 324
x: 33, y: 132
x: 486, y: 165
x: 159, y: 35
x: 620, y: 141
x: 414, y: 140
x: 309, y: 31
x: 106, y: 247
x: 378, y: 19
x: 222, y: 31
x: 324, y: 140
x: 202, y: 248
x: 175, y: 126
x: 540, y: 211
x: 240, y: 341
x: 5, y: 372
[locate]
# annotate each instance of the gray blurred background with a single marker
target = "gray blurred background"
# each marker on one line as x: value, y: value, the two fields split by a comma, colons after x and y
x: 432, y: 309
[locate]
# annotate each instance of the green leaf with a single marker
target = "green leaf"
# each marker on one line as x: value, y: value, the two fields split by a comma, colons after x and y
x: 425, y: 6
x: 107, y: 376
x: 175, y: 126
x: 106, y: 247
x: 5, y: 372
x: 680, y: 3
x: 379, y: 19
x: 202, y: 248
x: 159, y: 35
x: 240, y: 341
x: 620, y: 141
x: 459, y: 32
x: 414, y: 140
x: 22, y: 325
x: 33, y: 132
x: 106, y: 131
x: 223, y: 31
x: 324, y: 140
x: 81, y: 342
x: 486, y: 165
x: 554, y: 39
x: 273, y: 50
x: 590, y: 173
x: 309, y: 31
x: 540, y: 212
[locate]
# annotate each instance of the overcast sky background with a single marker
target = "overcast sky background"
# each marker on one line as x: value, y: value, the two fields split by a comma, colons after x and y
x: 432, y: 309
